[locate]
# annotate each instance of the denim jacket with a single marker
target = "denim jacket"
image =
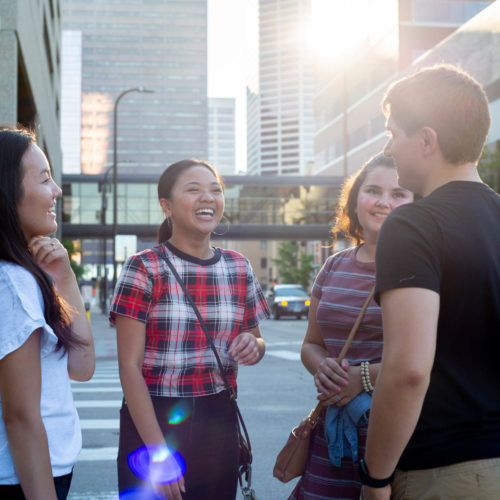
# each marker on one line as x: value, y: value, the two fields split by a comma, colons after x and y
x: 341, y: 428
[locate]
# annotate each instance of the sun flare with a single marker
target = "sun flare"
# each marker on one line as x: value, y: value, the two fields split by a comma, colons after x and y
x: 338, y: 28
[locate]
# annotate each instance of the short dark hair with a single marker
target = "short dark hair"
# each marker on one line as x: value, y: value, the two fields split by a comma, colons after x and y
x: 347, y: 223
x: 449, y: 101
x: 167, y: 181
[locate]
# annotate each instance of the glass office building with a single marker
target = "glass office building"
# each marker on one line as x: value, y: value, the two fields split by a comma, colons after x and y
x: 350, y: 126
x: 155, y: 44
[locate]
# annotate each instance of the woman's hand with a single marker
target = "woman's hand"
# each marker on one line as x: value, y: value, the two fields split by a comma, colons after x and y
x: 170, y: 491
x: 52, y: 257
x: 348, y: 392
x: 330, y: 377
x: 245, y: 349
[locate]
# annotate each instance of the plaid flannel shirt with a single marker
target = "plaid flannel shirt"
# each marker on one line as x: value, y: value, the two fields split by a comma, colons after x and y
x: 178, y: 362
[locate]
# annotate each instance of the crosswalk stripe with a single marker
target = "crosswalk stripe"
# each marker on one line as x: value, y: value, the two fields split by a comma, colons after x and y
x: 110, y: 495
x: 98, y: 454
x: 97, y: 390
x: 110, y: 403
x: 293, y: 356
x: 94, y: 380
x: 99, y: 423
x: 276, y: 344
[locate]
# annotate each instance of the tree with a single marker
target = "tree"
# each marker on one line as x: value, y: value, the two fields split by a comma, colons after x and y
x: 489, y: 167
x: 78, y: 269
x: 292, y: 267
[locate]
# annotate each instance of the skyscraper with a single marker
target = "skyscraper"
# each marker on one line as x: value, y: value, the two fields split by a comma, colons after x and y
x: 156, y: 44
x: 221, y: 134
x: 71, y: 100
x: 285, y: 102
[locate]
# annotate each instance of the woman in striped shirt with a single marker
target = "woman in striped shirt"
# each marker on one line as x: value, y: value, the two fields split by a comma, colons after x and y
x: 338, y: 295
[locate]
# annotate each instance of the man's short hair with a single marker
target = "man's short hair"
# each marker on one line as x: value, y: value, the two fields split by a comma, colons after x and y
x: 449, y: 101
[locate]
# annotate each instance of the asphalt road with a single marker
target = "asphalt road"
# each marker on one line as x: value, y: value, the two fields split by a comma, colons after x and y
x: 273, y: 397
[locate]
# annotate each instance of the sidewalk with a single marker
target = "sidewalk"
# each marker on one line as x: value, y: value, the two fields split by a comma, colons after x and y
x: 104, y: 335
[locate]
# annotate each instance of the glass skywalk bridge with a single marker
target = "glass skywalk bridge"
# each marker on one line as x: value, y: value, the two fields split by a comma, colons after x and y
x: 257, y: 207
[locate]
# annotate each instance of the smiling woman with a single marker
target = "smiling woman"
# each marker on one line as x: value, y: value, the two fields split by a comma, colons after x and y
x: 338, y: 293
x: 45, y: 337
x: 36, y: 209
x: 162, y: 350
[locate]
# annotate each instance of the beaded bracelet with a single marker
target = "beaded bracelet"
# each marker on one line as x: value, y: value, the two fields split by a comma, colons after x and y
x: 365, y: 376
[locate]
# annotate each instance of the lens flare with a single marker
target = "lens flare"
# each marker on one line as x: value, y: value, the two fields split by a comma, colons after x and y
x: 157, y: 464
x: 140, y: 493
x: 179, y: 413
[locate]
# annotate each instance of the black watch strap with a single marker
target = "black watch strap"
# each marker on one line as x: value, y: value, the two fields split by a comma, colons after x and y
x: 372, y: 482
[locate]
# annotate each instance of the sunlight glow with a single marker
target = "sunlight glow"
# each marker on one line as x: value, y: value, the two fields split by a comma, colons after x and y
x: 338, y: 28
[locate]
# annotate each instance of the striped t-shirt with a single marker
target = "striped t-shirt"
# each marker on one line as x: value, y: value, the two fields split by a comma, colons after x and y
x: 341, y: 287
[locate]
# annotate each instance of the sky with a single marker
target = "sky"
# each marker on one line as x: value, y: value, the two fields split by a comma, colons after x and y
x: 334, y: 32
x: 232, y: 39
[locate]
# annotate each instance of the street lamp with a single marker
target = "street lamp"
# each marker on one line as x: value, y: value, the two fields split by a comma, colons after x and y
x: 115, y: 171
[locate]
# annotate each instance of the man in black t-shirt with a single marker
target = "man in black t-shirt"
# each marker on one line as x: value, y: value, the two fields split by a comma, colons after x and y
x: 435, y: 416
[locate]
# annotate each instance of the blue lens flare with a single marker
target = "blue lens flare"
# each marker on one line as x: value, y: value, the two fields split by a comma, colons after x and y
x: 139, y: 493
x: 157, y: 464
x: 179, y: 413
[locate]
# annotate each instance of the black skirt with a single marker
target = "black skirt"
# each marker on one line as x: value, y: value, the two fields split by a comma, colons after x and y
x: 201, y: 430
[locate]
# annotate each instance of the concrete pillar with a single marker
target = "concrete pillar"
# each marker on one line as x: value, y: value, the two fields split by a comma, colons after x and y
x: 8, y: 77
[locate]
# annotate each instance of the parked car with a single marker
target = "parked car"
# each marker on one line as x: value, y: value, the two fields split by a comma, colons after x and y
x: 288, y: 300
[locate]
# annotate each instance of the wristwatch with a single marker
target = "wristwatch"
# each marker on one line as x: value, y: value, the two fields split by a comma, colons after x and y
x: 372, y: 482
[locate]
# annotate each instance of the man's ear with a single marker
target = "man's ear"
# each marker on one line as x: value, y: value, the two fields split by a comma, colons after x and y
x: 165, y: 206
x: 429, y: 140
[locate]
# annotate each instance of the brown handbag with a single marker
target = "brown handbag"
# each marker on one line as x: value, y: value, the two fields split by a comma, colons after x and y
x: 291, y: 460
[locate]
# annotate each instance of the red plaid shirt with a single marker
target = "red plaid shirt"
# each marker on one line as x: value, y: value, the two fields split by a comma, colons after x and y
x: 178, y: 362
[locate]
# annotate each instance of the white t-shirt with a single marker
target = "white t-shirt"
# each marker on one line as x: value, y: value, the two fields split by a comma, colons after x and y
x: 21, y: 313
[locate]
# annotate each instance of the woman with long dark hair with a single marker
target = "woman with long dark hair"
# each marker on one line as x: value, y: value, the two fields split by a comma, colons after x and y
x: 45, y: 337
x: 178, y: 427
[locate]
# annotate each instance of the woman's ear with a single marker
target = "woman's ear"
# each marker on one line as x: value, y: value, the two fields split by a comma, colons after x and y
x: 165, y: 206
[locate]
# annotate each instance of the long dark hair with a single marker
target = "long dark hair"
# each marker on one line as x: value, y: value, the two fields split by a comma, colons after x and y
x: 13, y: 245
x: 347, y: 223
x: 167, y: 181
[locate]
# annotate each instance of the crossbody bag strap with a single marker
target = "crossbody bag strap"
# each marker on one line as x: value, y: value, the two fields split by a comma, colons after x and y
x: 209, y: 341
x: 313, y: 415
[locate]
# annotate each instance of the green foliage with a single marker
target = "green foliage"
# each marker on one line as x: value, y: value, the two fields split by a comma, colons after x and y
x: 292, y: 267
x: 489, y: 167
x: 78, y: 269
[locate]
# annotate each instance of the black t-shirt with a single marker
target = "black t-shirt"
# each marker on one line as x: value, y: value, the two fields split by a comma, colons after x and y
x: 449, y: 242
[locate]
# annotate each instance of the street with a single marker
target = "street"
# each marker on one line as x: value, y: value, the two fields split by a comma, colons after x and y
x: 273, y: 397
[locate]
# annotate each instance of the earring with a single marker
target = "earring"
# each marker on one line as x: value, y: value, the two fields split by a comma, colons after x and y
x: 226, y: 228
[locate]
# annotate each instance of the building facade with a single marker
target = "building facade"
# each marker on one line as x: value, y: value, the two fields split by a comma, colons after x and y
x: 222, y: 134
x: 285, y: 92
x: 30, y: 87
x: 131, y: 44
x: 350, y: 126
x: 71, y: 101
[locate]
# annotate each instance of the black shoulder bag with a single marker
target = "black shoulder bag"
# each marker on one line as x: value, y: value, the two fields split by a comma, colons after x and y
x: 245, y: 449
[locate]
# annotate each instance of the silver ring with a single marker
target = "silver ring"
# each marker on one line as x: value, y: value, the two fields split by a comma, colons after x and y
x: 337, y: 398
x: 53, y: 244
